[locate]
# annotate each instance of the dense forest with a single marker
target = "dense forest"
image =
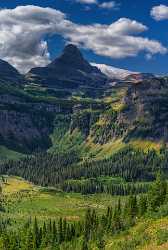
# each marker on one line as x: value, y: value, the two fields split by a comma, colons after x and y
x: 66, y: 171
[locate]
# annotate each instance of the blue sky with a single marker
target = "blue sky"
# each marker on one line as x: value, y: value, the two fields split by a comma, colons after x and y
x: 144, y: 59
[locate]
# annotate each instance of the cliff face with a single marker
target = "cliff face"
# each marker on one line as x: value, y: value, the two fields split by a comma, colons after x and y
x: 26, y: 125
x: 27, y: 122
x: 146, y: 113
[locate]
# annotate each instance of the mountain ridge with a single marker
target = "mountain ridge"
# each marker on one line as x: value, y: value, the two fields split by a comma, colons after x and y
x: 34, y: 115
x: 9, y: 73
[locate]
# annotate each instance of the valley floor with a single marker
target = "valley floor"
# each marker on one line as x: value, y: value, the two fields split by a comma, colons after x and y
x: 24, y: 200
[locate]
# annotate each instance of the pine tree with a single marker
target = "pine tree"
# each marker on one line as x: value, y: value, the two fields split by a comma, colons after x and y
x: 157, y: 193
x: 29, y: 241
x: 36, y: 234
x: 142, y: 205
x: 60, y: 231
x: 85, y: 244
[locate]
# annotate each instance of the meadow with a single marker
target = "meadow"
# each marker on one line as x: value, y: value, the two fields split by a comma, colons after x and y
x: 24, y: 200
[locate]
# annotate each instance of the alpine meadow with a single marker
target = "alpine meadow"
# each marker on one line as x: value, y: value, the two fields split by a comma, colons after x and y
x: 83, y: 125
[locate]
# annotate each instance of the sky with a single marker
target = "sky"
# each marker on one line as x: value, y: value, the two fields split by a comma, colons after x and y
x: 123, y: 33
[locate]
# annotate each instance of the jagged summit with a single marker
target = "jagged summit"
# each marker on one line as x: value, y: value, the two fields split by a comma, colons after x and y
x: 72, y: 58
x: 72, y: 50
x: 69, y: 70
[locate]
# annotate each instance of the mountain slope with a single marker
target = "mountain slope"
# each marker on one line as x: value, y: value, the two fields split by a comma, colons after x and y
x: 92, y: 119
x: 9, y: 74
x: 70, y: 70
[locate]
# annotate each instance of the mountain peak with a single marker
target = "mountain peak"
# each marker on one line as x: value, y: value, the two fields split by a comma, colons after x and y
x: 72, y: 49
x: 71, y: 57
x: 70, y: 68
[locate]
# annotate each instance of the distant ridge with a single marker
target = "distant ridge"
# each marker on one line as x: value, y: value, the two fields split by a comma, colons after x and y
x: 112, y: 72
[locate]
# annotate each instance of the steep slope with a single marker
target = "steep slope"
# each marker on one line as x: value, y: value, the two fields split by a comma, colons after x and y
x: 26, y: 119
x: 70, y: 70
x: 9, y: 74
x: 94, y: 119
x: 146, y: 110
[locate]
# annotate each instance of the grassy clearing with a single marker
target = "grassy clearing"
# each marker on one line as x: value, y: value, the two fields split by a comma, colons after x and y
x: 145, y: 145
x: 15, y: 184
x: 98, y: 151
x: 8, y: 154
x: 25, y: 200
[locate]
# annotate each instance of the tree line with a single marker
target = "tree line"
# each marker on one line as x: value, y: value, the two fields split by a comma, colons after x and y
x: 48, y: 169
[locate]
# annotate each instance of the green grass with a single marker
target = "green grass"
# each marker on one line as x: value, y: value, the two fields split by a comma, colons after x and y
x: 146, y: 145
x: 25, y: 199
x: 7, y: 154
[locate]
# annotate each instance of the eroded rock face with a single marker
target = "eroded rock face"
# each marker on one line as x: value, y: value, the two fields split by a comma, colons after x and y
x: 146, y: 113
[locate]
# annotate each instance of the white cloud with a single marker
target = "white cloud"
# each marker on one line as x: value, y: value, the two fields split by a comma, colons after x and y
x: 25, y: 29
x: 109, y: 5
x: 160, y: 12
x: 117, y: 40
x: 87, y: 1
x: 148, y: 57
x: 105, y: 5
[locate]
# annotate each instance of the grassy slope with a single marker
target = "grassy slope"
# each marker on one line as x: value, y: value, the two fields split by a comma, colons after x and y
x: 6, y: 153
x: 148, y: 234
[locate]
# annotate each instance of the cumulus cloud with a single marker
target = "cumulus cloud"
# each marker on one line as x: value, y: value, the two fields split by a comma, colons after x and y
x: 118, y: 40
x: 109, y: 5
x: 160, y: 12
x: 24, y: 32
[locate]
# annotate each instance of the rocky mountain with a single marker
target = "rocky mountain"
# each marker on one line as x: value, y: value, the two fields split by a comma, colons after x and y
x: 70, y: 70
x: 79, y: 106
x: 9, y: 74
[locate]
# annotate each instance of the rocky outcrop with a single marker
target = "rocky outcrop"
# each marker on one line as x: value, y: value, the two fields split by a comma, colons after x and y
x: 146, y: 112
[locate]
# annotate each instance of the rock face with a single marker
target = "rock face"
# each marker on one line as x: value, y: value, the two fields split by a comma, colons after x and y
x: 138, y: 77
x: 26, y: 125
x: 70, y: 70
x: 146, y: 112
x: 9, y: 74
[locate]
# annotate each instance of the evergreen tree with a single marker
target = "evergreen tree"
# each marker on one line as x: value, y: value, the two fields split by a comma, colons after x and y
x: 157, y: 193
x: 142, y: 205
x: 85, y: 244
